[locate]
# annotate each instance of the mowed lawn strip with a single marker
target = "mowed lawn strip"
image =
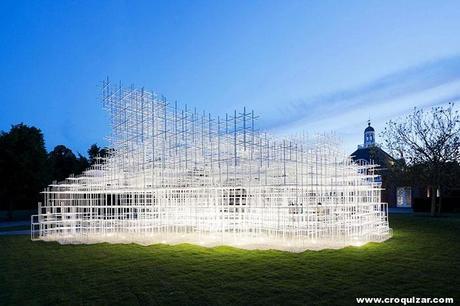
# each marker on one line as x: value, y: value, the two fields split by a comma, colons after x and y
x: 422, y: 259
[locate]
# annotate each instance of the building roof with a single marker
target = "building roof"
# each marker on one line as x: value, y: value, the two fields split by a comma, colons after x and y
x: 369, y: 128
x: 373, y: 154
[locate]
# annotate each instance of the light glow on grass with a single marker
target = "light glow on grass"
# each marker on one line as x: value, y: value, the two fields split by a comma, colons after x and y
x: 186, y: 274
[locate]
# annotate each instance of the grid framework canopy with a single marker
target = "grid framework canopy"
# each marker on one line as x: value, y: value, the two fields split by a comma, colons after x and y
x: 175, y: 175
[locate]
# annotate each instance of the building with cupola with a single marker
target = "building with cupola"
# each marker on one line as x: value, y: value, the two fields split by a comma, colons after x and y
x: 371, y: 152
x: 369, y: 136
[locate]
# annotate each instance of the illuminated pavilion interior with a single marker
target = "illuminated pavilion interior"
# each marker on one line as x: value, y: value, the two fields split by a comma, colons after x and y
x: 174, y: 175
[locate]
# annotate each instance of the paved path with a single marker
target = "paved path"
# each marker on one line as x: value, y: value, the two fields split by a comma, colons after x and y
x: 14, y: 223
x: 12, y: 233
x: 400, y: 210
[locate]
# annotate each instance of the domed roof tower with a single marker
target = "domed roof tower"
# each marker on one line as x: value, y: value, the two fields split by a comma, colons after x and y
x: 369, y: 135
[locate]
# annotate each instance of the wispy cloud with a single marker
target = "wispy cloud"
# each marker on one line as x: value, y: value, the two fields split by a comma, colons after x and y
x: 345, y: 112
x: 437, y: 80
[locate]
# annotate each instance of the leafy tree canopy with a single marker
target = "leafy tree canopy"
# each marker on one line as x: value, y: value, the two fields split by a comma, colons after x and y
x: 23, y: 167
x: 26, y: 168
x: 428, y: 143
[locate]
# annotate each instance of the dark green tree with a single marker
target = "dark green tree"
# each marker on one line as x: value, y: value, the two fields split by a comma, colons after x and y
x: 63, y: 163
x: 82, y: 164
x: 23, y: 167
x: 95, y: 152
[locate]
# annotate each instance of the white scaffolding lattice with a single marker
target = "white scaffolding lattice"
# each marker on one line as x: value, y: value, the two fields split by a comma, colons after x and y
x: 174, y: 175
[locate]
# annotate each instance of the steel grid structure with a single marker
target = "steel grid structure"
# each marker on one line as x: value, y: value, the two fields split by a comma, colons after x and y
x: 174, y: 175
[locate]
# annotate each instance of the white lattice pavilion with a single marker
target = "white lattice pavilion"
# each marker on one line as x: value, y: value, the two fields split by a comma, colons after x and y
x: 174, y: 175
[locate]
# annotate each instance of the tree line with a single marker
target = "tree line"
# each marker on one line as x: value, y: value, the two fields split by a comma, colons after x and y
x: 26, y: 168
x: 427, y: 145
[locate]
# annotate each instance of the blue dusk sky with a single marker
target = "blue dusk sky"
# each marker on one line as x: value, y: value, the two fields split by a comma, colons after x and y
x: 317, y: 66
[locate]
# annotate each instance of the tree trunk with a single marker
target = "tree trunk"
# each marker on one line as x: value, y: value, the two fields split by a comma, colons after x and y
x: 433, y: 201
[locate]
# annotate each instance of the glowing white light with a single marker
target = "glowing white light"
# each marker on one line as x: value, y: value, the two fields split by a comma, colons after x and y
x: 177, y: 176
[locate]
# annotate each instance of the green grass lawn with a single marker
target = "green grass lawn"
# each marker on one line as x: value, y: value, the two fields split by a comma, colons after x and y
x: 422, y: 259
